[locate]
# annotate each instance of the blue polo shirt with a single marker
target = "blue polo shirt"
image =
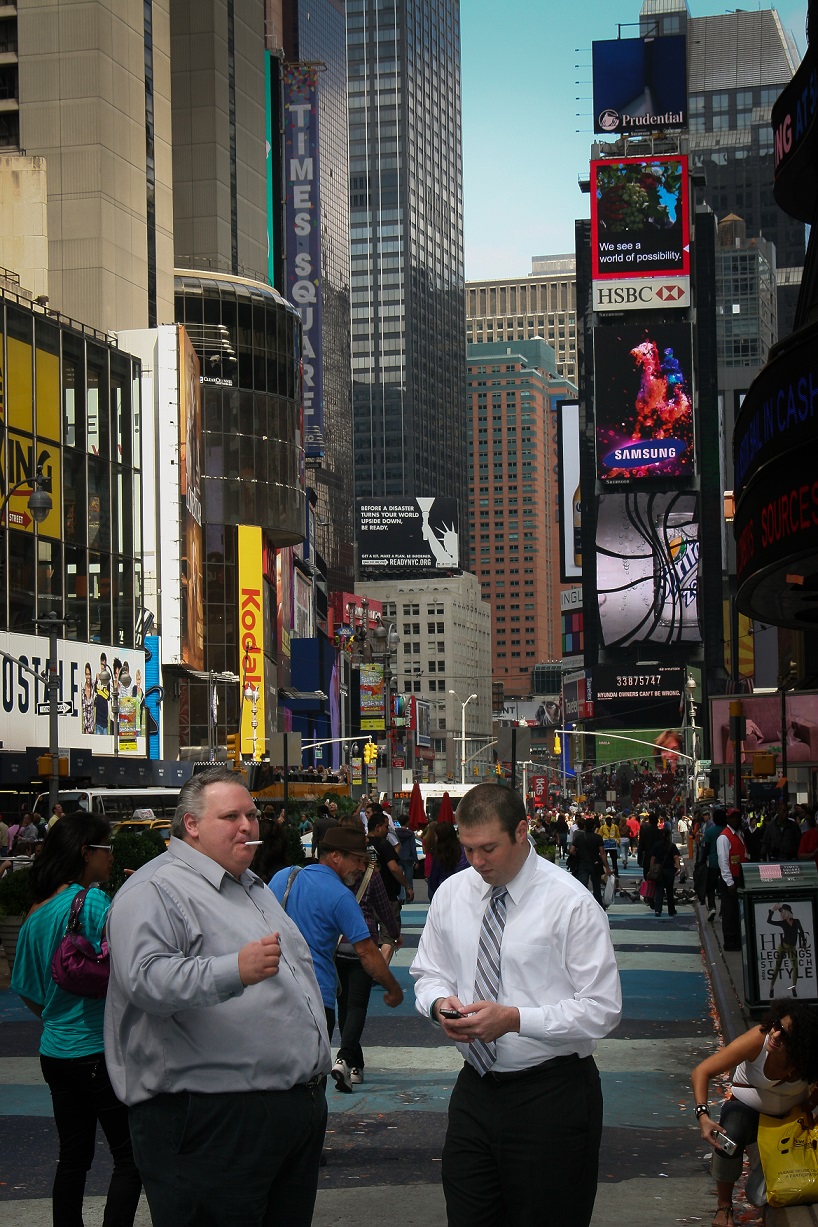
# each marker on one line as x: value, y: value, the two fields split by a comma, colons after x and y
x: 323, y: 908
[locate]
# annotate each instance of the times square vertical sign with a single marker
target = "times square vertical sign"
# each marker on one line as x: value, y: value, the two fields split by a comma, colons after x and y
x: 303, y: 236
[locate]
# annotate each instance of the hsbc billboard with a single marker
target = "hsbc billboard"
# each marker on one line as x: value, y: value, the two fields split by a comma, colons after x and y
x: 642, y: 294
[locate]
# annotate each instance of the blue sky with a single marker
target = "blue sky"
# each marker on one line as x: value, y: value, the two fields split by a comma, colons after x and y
x: 522, y: 153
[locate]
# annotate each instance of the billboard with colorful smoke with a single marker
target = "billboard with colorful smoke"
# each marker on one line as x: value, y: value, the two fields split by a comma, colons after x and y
x: 643, y: 401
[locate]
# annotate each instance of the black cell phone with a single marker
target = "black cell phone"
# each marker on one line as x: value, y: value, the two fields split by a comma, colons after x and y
x: 449, y: 1013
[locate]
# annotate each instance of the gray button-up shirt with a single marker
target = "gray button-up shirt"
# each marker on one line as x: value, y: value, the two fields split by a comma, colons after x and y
x: 177, y: 1016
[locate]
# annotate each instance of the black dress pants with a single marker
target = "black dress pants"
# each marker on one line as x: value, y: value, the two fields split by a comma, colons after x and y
x: 82, y: 1095
x: 498, y: 1128
x: 247, y: 1159
x: 730, y: 917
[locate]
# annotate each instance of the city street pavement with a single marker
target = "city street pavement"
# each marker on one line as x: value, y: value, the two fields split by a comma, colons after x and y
x: 384, y: 1141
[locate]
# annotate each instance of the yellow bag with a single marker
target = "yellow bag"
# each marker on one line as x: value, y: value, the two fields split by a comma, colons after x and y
x: 788, y: 1146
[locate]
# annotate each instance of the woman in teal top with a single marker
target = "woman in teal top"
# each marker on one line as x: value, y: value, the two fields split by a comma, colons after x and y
x: 76, y: 854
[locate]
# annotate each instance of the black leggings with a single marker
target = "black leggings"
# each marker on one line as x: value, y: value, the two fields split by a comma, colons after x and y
x: 82, y: 1095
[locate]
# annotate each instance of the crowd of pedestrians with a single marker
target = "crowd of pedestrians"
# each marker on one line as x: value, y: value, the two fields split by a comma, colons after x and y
x: 231, y: 966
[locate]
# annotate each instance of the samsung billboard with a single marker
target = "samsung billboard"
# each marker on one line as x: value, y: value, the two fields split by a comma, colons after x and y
x: 416, y: 536
x: 640, y: 225
x: 640, y: 85
x: 643, y: 401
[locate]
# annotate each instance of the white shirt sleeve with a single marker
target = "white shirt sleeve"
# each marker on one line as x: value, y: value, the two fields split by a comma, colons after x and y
x: 723, y: 853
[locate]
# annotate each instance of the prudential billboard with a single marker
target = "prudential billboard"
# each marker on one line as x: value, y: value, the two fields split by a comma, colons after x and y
x: 640, y: 85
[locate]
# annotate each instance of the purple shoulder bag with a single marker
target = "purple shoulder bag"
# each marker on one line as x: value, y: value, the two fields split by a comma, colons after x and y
x: 76, y: 967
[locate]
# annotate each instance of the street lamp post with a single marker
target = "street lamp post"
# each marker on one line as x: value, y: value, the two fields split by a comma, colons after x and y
x: 387, y: 640
x: 463, y: 705
x: 251, y: 693
x: 693, y: 766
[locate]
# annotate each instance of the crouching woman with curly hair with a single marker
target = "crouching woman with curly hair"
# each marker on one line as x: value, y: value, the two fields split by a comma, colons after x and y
x: 775, y: 1068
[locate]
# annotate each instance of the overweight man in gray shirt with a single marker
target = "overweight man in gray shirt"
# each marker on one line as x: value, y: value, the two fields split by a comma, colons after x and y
x: 214, y: 1026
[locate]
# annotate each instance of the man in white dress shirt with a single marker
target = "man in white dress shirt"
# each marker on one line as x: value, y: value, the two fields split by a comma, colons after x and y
x: 522, y: 953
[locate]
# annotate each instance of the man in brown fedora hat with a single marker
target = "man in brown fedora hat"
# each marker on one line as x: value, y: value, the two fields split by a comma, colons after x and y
x: 317, y: 899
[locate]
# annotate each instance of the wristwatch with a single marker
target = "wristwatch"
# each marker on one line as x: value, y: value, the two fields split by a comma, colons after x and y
x: 701, y: 1110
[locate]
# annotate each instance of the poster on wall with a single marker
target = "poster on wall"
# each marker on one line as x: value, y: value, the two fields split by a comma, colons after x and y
x: 785, y: 947
x: 101, y: 689
x: 372, y: 698
x: 648, y: 568
x: 570, y: 494
x: 417, y: 536
x: 643, y: 401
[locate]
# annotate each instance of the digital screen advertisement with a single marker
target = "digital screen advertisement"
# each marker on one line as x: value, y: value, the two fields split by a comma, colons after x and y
x: 640, y: 84
x: 648, y: 568
x: 639, y: 217
x: 643, y: 401
x: 569, y: 492
x: 762, y: 718
x: 654, y: 683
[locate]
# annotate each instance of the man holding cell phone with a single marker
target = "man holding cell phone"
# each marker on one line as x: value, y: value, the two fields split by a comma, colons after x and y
x: 516, y: 965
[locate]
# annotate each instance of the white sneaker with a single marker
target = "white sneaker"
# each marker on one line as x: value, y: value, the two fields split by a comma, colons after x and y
x: 342, y: 1075
x: 356, y: 1076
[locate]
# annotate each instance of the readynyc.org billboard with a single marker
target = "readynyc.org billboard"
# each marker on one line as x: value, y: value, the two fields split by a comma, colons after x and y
x: 416, y: 536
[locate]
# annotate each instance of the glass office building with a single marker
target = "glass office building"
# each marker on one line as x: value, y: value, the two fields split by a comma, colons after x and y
x: 70, y: 403
x: 406, y: 228
x: 248, y: 341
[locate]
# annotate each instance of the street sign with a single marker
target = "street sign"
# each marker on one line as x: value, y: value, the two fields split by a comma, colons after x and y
x: 64, y: 708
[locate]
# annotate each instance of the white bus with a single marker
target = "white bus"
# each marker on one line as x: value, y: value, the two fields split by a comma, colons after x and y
x: 115, y: 804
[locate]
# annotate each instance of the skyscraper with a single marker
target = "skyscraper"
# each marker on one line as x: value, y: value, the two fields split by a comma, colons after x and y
x: 543, y: 304
x: 87, y: 88
x: 514, y: 516
x: 406, y: 227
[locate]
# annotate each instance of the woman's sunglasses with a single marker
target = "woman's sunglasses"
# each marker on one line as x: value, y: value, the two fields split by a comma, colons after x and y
x: 781, y: 1030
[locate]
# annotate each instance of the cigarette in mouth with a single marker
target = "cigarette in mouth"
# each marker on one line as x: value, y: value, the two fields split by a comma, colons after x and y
x: 252, y: 843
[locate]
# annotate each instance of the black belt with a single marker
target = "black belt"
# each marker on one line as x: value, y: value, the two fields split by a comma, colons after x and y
x: 531, y: 1071
x: 315, y: 1080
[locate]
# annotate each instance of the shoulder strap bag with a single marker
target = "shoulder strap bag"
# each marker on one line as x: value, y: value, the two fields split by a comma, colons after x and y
x: 76, y: 966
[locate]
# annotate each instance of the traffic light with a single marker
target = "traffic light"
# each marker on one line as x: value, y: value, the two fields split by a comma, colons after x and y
x: 234, y: 748
x: 370, y: 752
x: 557, y: 744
